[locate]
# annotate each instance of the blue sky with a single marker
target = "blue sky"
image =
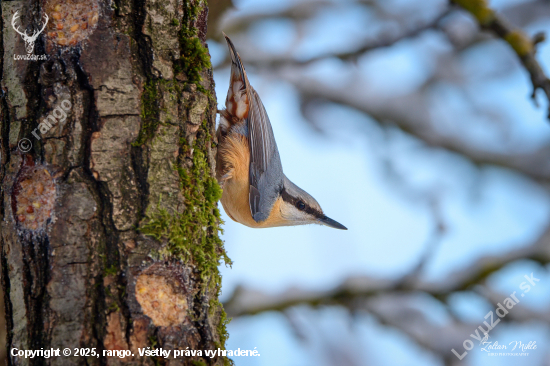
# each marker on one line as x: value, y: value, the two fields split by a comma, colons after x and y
x: 487, y: 210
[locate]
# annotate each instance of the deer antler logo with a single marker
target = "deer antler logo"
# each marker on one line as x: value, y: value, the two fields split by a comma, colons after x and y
x: 29, y: 40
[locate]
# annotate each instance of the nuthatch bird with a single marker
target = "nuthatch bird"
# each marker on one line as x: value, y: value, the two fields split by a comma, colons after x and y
x: 256, y: 193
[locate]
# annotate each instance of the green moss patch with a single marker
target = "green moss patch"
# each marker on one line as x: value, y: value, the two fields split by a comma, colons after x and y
x: 194, y: 59
x: 194, y: 55
x: 193, y: 234
x: 149, y: 112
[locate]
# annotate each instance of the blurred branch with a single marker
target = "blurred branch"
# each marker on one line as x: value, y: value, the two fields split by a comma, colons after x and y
x: 396, y: 303
x: 216, y: 9
x: 433, y: 242
x: 270, y: 61
x: 410, y: 114
x: 298, y: 11
x: 392, y: 311
x: 525, y: 13
x: 522, y: 45
x: 337, y: 352
x: 349, y: 292
x: 369, y: 46
x: 520, y: 313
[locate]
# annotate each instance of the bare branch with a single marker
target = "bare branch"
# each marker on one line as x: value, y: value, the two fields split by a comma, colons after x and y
x: 376, y: 44
x: 272, y: 62
x: 433, y: 242
x: 297, y: 11
x: 528, y: 12
x: 408, y: 114
x: 249, y: 302
x: 522, y: 45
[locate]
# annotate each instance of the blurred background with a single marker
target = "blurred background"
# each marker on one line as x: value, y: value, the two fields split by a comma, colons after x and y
x: 417, y: 131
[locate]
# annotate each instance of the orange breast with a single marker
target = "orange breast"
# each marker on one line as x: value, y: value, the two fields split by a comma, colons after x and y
x: 234, y: 155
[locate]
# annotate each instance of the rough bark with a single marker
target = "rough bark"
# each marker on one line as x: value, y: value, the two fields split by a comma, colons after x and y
x: 128, y: 255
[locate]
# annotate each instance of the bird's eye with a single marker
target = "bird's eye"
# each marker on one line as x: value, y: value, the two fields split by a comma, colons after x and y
x: 300, y: 205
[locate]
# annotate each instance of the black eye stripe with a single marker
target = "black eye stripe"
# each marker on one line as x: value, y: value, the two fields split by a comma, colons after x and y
x: 296, y: 201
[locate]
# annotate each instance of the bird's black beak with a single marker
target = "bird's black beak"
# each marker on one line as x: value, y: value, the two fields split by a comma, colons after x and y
x: 327, y: 221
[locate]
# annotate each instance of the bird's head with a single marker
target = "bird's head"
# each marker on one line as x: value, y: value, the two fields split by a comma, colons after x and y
x: 299, y: 208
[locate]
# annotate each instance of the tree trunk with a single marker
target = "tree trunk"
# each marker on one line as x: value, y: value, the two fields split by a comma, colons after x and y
x: 109, y: 222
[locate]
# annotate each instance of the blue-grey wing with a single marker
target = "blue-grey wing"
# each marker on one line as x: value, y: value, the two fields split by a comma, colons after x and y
x: 266, y: 172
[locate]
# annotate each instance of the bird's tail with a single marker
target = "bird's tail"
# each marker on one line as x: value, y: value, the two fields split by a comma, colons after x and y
x: 237, y: 68
x: 238, y: 98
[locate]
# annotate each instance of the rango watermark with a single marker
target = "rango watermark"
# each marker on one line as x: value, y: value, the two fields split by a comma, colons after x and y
x: 59, y: 114
x: 501, y: 311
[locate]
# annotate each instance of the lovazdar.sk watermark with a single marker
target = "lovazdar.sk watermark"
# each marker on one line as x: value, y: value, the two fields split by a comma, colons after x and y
x: 501, y: 311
